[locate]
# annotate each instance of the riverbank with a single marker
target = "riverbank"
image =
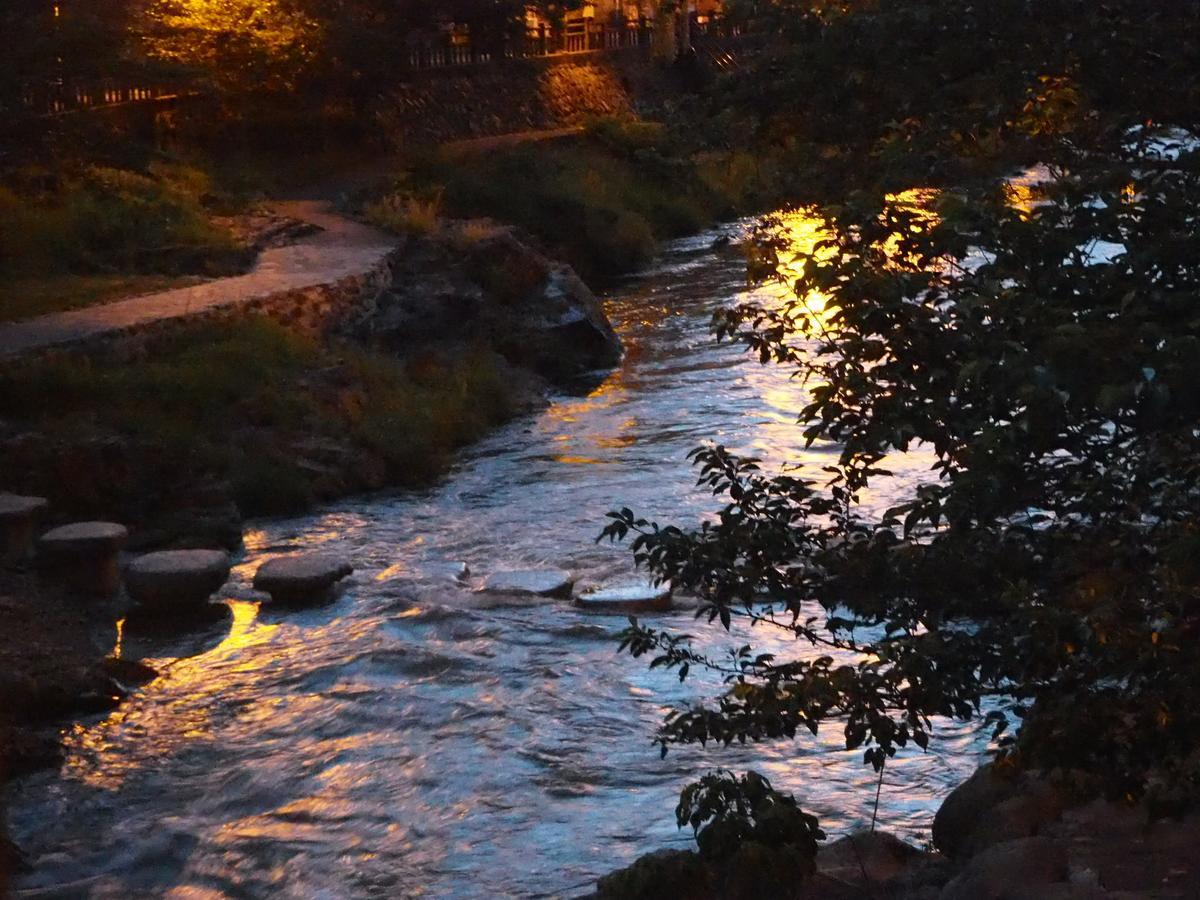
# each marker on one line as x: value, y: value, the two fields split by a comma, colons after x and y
x: 182, y: 432
x: 603, y: 197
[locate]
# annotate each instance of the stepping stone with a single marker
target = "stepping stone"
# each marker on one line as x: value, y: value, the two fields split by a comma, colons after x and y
x: 451, y: 571
x: 532, y: 582
x: 84, y: 555
x: 18, y: 520
x: 636, y: 596
x: 305, y: 578
x: 176, y: 579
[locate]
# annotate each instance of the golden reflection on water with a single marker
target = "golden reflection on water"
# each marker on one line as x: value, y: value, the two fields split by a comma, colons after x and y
x: 565, y: 416
x: 190, y: 677
x: 392, y: 571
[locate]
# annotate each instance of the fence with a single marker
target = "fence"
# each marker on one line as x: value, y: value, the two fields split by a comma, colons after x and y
x: 458, y: 47
x: 57, y: 98
x: 455, y: 47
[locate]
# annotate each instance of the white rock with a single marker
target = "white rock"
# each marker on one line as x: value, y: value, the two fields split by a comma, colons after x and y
x: 452, y: 571
x: 537, y: 582
x: 635, y: 596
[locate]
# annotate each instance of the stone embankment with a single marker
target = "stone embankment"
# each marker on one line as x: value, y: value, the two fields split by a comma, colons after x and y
x: 309, y: 285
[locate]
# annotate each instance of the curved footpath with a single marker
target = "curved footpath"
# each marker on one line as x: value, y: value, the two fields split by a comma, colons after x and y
x: 342, y: 248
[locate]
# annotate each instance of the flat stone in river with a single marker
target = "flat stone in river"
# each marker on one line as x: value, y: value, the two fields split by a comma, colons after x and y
x: 635, y: 596
x: 18, y: 518
x: 84, y: 555
x: 531, y: 582
x: 448, y: 571
x: 176, y: 579
x: 303, y: 578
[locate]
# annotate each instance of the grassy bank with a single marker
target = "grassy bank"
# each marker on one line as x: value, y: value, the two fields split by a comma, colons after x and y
x: 602, y: 200
x: 250, y: 413
x: 82, y: 234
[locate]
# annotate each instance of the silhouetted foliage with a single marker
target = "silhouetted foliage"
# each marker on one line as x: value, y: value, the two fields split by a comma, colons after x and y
x: 1042, y: 349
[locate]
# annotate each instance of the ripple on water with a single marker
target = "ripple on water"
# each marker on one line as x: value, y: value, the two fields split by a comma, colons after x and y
x: 408, y: 740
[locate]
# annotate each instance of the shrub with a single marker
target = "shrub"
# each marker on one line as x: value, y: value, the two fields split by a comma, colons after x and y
x: 415, y: 413
x: 270, y: 486
x: 108, y: 220
x: 406, y: 214
x: 726, y: 812
x: 602, y: 202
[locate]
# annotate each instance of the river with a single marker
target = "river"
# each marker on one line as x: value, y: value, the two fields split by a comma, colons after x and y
x: 410, y: 740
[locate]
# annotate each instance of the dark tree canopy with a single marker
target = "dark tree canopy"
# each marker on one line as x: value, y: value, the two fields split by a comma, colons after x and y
x: 1044, y: 348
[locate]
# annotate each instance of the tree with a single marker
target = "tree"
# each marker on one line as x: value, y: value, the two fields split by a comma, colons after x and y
x: 46, y: 45
x: 1046, y: 353
x: 233, y: 44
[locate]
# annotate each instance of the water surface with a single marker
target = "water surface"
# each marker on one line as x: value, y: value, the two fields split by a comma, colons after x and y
x: 408, y: 740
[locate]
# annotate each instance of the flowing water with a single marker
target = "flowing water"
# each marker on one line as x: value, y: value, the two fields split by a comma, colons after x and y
x: 410, y: 740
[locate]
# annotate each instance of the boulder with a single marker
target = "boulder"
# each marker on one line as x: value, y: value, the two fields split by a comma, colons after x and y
x: 497, y: 291
x: 18, y: 520
x: 176, y: 579
x: 84, y: 555
x: 627, y: 598
x: 531, y: 582
x: 1013, y: 870
x: 867, y: 858
x: 663, y: 873
x: 993, y: 806
x: 302, y: 578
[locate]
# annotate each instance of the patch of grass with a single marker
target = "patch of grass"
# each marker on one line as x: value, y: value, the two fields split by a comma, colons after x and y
x: 602, y: 201
x: 417, y: 412
x: 85, y: 230
x: 104, y: 220
x: 270, y: 486
x: 25, y: 298
x: 230, y: 404
x: 406, y: 214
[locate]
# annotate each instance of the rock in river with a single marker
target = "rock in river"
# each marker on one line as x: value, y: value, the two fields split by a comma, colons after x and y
x: 84, y: 555
x: 627, y: 597
x: 18, y: 518
x: 535, y: 582
x: 497, y: 291
x: 447, y: 571
x: 304, y: 578
x: 176, y: 579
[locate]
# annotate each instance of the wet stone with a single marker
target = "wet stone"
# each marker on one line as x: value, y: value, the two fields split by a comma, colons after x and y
x: 449, y: 571
x: 305, y: 578
x: 18, y: 519
x: 84, y: 555
x: 176, y: 579
x: 638, y: 596
x: 531, y: 582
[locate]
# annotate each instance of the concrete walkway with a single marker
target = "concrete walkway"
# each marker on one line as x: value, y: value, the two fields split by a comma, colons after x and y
x: 342, y: 249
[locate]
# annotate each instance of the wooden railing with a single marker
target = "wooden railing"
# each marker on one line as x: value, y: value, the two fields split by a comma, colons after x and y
x: 453, y: 49
x: 64, y: 97
x: 458, y: 49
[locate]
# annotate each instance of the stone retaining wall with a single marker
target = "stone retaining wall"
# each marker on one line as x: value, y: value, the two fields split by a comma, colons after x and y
x: 524, y: 95
x: 315, y: 311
